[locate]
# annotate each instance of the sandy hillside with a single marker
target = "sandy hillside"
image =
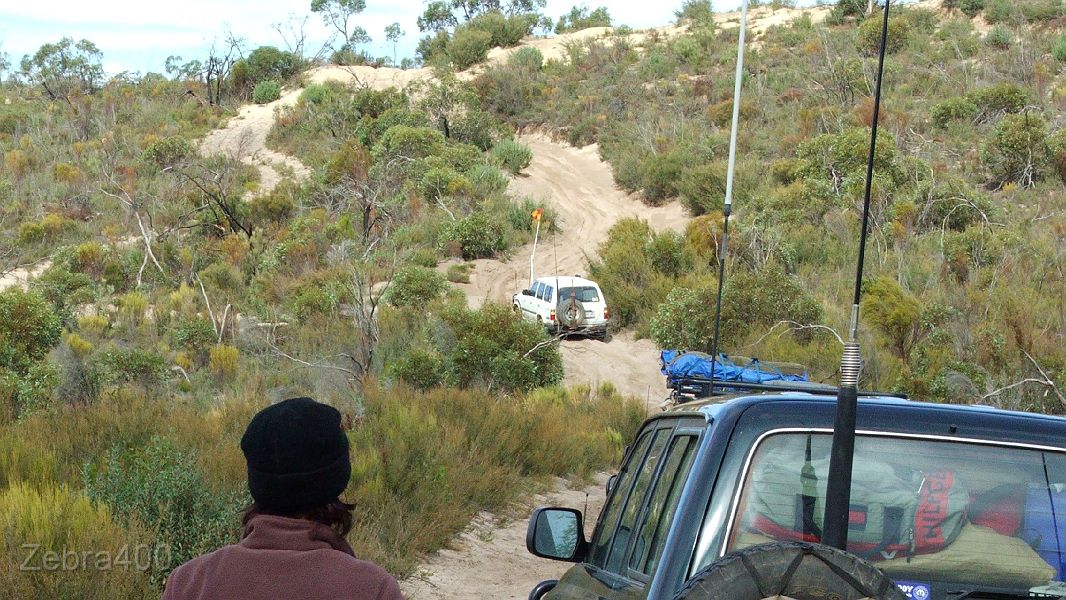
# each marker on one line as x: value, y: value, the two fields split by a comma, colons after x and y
x: 489, y: 559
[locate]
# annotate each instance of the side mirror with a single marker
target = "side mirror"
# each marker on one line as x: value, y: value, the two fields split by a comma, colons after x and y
x: 527, y: 292
x: 557, y: 533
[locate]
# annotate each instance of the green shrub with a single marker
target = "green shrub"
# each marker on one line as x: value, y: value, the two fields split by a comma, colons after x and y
x: 527, y: 59
x: 660, y: 175
x: 432, y: 48
x: 420, y: 369
x: 1017, y: 150
x: 409, y: 142
x: 131, y: 365
x: 195, y: 335
x: 459, y: 272
x: 580, y: 17
x: 1042, y: 10
x: 667, y: 254
x: 893, y: 311
x: 999, y: 11
x: 468, y: 47
x: 268, y: 63
x: 698, y: 13
x: 477, y: 236
x: 959, y: 108
x: 415, y: 286
x: 266, y: 92
x: 999, y: 37
x: 1059, y: 49
x: 317, y: 94
x: 162, y: 487
x: 498, y: 349
x: 168, y: 151
x: 276, y: 207
x: 1056, y: 144
x: 504, y: 31
x: 512, y: 155
x: 702, y: 188
x: 30, y: 232
x: 835, y: 159
x: 29, y: 328
x: 756, y: 300
x: 868, y: 40
x: 477, y: 127
x: 487, y: 180
x: 971, y: 7
x: 375, y: 103
x: 999, y: 99
x: 681, y: 322
x: 438, y: 182
x: 63, y: 288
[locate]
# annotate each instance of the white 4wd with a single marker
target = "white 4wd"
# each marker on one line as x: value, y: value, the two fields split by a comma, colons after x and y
x: 565, y: 305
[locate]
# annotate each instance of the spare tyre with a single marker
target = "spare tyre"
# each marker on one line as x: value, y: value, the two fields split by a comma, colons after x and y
x: 794, y: 570
x: 571, y: 314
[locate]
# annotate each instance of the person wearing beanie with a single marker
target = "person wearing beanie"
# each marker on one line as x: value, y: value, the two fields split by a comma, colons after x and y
x: 292, y: 543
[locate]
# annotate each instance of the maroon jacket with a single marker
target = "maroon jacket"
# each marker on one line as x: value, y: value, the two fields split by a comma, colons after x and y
x: 279, y: 558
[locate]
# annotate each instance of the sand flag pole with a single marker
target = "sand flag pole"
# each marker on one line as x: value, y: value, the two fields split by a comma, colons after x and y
x: 536, y: 236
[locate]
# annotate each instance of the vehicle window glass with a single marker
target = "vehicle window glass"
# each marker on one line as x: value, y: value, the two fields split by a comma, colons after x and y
x: 585, y: 293
x: 661, y: 508
x: 628, y: 521
x: 922, y: 510
x: 548, y: 293
x: 538, y: 290
x: 609, y: 520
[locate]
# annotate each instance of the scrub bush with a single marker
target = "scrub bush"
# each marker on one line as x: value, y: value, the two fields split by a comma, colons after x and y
x: 512, y: 155
x: 415, y: 286
x: 266, y: 92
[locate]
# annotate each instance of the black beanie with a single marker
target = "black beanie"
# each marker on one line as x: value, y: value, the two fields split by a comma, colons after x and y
x: 297, y: 456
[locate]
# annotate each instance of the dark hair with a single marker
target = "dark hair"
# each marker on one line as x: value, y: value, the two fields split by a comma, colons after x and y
x: 336, y: 515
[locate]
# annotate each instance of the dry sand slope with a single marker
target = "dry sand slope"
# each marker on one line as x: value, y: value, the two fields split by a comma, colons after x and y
x: 489, y: 560
x: 244, y: 138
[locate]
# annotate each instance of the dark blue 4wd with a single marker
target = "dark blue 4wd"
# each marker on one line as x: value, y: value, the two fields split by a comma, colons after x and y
x: 947, y: 501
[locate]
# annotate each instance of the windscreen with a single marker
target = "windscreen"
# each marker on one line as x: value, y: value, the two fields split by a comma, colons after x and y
x: 585, y: 293
x: 923, y: 511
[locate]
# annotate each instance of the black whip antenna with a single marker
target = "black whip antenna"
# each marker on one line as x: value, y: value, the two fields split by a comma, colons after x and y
x: 838, y: 492
x: 727, y: 206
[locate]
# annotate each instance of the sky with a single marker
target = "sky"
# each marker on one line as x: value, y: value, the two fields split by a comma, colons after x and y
x: 135, y: 35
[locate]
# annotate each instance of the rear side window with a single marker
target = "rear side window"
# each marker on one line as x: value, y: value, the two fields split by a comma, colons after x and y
x: 921, y: 510
x: 659, y: 514
x: 628, y: 523
x: 622, y: 487
x: 548, y: 293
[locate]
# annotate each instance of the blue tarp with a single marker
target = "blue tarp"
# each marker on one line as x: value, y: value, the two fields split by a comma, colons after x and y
x: 697, y: 365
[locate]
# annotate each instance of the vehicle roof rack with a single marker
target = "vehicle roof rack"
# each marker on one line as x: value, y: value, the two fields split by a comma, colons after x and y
x: 720, y: 387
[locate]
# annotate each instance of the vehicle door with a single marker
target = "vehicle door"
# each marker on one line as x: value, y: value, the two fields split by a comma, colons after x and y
x: 632, y: 531
x: 529, y: 304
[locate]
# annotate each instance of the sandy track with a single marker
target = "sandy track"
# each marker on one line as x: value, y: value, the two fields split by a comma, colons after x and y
x: 580, y: 188
x: 489, y: 559
x: 21, y: 276
x: 244, y: 139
